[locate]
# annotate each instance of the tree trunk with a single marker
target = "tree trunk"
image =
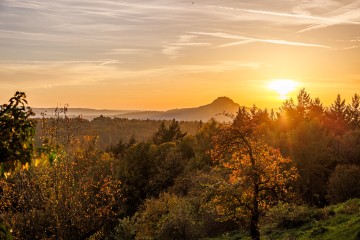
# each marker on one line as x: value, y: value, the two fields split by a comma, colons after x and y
x: 254, y: 224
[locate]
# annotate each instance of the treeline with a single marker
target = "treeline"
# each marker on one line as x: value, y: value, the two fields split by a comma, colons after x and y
x: 109, y: 130
x: 324, y: 142
x: 174, y: 183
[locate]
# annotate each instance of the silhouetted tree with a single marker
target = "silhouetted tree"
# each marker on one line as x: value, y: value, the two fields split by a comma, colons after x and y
x: 337, y: 115
x: 353, y: 111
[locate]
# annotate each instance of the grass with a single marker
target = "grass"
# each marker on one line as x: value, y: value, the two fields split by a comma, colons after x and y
x: 336, y: 222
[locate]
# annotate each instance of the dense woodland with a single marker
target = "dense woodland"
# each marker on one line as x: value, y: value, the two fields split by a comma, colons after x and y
x: 70, y: 178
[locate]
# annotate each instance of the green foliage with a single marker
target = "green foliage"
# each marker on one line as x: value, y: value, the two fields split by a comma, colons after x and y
x: 320, y: 226
x: 290, y: 215
x: 147, y: 169
x: 17, y: 132
x: 202, y: 146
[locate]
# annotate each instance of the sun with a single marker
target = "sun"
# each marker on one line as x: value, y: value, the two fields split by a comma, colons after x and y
x: 283, y: 87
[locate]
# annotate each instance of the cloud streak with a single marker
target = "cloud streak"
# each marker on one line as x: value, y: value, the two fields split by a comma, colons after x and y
x: 83, y: 73
x: 348, y: 14
x: 247, y: 40
x: 53, y: 37
x: 172, y: 49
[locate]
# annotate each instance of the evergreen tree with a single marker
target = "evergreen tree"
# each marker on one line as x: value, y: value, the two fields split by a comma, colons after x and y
x: 168, y: 134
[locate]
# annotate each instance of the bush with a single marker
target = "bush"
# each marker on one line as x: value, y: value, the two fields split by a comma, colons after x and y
x: 70, y: 198
x: 289, y: 215
x: 168, y: 217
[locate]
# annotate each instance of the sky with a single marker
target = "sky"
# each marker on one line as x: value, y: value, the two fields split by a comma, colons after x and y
x: 165, y: 54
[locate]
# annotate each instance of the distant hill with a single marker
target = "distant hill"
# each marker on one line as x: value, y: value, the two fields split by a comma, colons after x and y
x: 86, y: 113
x: 216, y: 110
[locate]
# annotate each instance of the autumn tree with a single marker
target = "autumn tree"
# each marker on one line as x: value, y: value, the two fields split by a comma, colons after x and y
x: 258, y: 176
x: 17, y: 132
x: 71, y: 197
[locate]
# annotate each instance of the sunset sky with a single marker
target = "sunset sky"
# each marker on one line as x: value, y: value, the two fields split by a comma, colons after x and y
x: 164, y: 54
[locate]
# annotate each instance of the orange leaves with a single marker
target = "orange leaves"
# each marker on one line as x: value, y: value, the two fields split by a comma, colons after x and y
x: 258, y: 175
x: 67, y: 199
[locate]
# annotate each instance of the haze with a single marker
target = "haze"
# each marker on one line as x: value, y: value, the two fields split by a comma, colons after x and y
x: 159, y: 54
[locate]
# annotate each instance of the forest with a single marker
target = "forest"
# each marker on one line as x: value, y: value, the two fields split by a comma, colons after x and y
x: 257, y: 176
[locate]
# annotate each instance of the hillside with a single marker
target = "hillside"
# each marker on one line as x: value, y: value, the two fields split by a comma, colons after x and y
x: 216, y: 110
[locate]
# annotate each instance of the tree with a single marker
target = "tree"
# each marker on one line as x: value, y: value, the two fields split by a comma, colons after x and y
x: 168, y: 134
x: 354, y: 111
x: 146, y: 170
x: 304, y: 103
x: 258, y: 176
x: 337, y: 115
x: 17, y: 132
x: 316, y: 109
x: 344, y: 183
x: 310, y: 146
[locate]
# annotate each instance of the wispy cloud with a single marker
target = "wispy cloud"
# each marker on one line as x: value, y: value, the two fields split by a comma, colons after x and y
x: 344, y: 15
x: 347, y: 14
x: 172, y: 49
x: 302, y: 16
x: 247, y: 40
x: 129, y: 51
x: 52, y: 37
x: 41, y: 74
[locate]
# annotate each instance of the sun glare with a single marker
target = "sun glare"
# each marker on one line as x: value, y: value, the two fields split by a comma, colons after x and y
x: 283, y: 87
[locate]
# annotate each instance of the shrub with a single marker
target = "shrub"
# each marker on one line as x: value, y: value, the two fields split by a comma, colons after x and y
x: 70, y: 198
x: 168, y: 217
x: 289, y: 215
